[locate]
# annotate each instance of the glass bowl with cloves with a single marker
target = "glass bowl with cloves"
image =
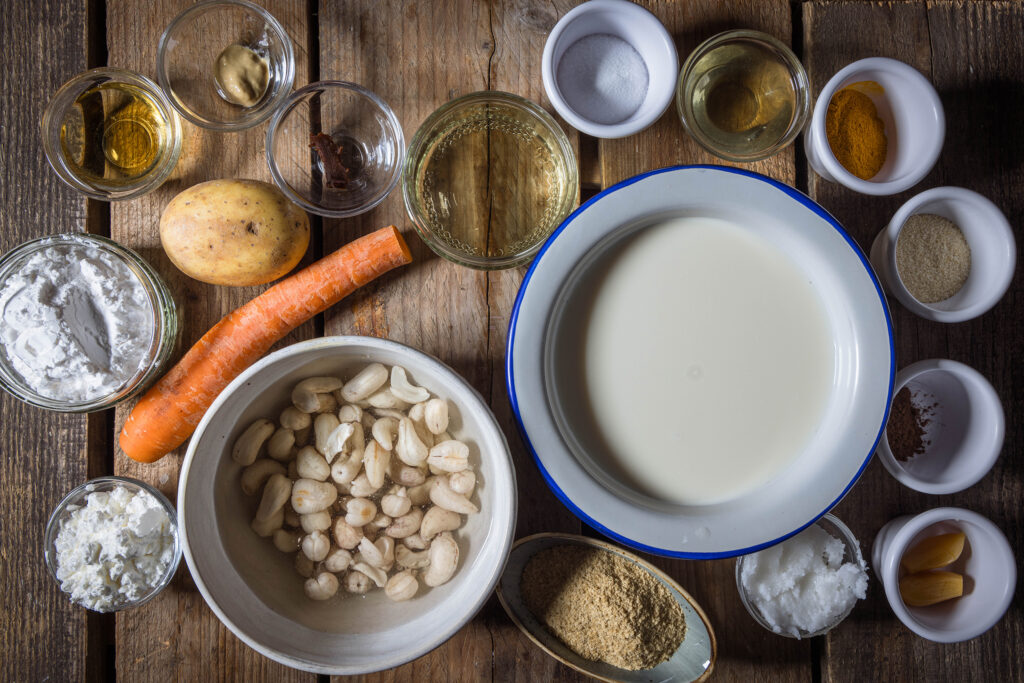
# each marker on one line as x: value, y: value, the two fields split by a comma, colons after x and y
x: 335, y: 149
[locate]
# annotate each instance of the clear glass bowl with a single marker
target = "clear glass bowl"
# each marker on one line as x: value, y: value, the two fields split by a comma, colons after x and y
x: 851, y: 553
x: 488, y: 178
x: 165, y: 315
x: 361, y: 123
x: 90, y: 111
x: 77, y: 499
x: 743, y: 95
x: 188, y: 51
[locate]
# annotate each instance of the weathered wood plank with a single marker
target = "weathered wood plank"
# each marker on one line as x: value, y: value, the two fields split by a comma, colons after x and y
x: 42, y: 454
x: 973, y: 54
x: 176, y: 636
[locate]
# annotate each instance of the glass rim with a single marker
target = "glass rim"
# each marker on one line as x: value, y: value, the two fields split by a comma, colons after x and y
x: 439, y: 117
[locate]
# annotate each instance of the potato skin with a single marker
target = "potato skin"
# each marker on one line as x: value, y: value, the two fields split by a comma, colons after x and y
x: 234, y: 232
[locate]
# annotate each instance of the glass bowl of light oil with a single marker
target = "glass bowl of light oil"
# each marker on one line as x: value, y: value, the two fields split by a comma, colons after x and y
x: 743, y: 95
x: 489, y: 176
x: 111, y: 134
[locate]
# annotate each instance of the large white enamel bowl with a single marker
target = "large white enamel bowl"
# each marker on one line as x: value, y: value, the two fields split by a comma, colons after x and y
x: 253, y: 588
x: 546, y: 399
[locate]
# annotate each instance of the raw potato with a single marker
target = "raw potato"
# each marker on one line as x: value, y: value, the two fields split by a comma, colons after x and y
x: 234, y: 232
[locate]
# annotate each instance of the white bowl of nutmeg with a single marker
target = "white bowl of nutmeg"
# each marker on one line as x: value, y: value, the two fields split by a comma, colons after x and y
x: 247, y: 550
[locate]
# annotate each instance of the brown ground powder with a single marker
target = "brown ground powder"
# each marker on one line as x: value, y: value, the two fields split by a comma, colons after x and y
x: 603, y: 607
x: 932, y: 257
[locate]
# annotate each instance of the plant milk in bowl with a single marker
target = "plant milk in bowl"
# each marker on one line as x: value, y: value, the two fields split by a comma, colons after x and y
x: 706, y: 360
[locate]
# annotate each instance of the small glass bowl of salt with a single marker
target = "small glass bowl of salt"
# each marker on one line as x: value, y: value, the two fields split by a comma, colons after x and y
x: 806, y: 585
x: 85, y: 323
x: 112, y: 544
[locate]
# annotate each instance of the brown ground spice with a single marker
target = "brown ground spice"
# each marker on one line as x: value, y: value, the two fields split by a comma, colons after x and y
x: 906, y: 427
x: 603, y: 607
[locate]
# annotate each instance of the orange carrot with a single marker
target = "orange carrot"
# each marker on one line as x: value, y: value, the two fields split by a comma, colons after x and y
x: 169, y: 412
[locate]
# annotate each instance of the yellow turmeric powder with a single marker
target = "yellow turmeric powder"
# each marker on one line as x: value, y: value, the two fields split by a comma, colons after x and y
x: 855, y: 133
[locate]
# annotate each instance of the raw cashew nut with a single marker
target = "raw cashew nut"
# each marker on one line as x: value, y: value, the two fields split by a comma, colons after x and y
x: 337, y: 440
x: 275, y: 495
x: 367, y: 381
x: 386, y: 399
x: 343, y: 471
x: 395, y: 502
x: 436, y: 520
x: 401, y: 586
x: 323, y: 427
x: 310, y: 495
x: 385, y: 432
x: 402, y: 388
x: 294, y: 419
x: 337, y: 560
x: 360, y: 512
x: 361, y: 486
x: 420, y: 495
x: 381, y: 521
x: 350, y: 413
x: 256, y: 474
x: 266, y: 528
x: 410, y: 559
x: 418, y: 412
x: 316, y: 546
x: 371, y: 554
x: 415, y: 542
x: 410, y: 449
x: 247, y: 447
x: 406, y: 525
x: 287, y: 541
x: 327, y: 403
x: 376, y: 461
x: 449, y: 456
x: 435, y: 415
x: 357, y: 582
x: 441, y: 494
x: 386, y: 546
x: 444, y: 558
x: 346, y: 535
x: 406, y: 476
x: 309, y: 464
x: 305, y: 395
x: 303, y: 565
x: 323, y: 587
x: 378, y: 576
x: 280, y: 445
x: 358, y: 440
x: 381, y: 413
x: 462, y: 482
x: 317, y: 521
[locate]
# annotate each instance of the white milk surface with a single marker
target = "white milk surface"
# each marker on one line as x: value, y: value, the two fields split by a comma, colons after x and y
x: 708, y: 360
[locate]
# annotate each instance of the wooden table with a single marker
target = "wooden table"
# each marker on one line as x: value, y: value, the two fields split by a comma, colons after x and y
x: 418, y: 55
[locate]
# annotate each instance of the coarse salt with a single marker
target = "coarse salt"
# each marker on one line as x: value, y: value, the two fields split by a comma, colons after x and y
x: 802, y: 585
x: 603, y: 78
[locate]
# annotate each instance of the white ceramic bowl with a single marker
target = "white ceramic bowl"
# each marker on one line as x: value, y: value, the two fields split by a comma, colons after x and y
x: 993, y: 253
x: 633, y: 24
x: 254, y: 589
x: 546, y: 393
x: 987, y: 564
x: 966, y: 428
x: 915, y: 126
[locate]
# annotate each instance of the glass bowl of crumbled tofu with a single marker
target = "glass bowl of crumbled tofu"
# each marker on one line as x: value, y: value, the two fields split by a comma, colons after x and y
x: 112, y: 544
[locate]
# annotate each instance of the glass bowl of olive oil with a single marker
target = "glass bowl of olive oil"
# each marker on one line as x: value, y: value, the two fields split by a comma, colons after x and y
x: 111, y: 134
x: 489, y: 176
x: 743, y: 95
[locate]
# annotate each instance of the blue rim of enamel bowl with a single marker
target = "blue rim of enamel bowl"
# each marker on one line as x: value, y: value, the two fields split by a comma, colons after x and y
x: 510, y: 384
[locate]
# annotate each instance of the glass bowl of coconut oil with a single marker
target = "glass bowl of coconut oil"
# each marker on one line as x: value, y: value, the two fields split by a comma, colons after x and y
x: 743, y: 95
x: 84, y: 323
x: 489, y: 176
x: 111, y: 134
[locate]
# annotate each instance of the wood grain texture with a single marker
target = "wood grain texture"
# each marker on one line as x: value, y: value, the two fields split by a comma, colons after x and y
x: 42, y: 454
x: 974, y: 55
x: 176, y: 636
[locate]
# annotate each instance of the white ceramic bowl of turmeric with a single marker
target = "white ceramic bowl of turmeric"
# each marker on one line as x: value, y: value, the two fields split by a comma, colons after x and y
x: 914, y: 128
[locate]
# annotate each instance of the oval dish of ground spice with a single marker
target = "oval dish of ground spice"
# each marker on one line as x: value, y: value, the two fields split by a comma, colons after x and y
x: 554, y: 570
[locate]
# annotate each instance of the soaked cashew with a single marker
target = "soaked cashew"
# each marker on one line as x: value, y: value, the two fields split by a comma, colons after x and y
x: 401, y: 586
x: 357, y: 582
x: 418, y: 412
x: 338, y: 560
x: 280, y: 445
x: 360, y: 512
x: 420, y: 495
x: 358, y: 440
x: 366, y: 382
x: 317, y: 521
x: 338, y: 441
x: 287, y: 541
x: 316, y: 546
x: 405, y: 475
x: 385, y: 398
x: 381, y: 521
x: 404, y: 389
x: 406, y: 525
x: 256, y: 474
x: 376, y: 461
x: 395, y: 502
x: 323, y: 587
x: 385, y: 432
x: 435, y: 415
x: 436, y: 520
x: 294, y: 419
x: 361, y: 486
x: 410, y: 449
x: 415, y: 542
x: 378, y: 576
x: 449, y: 456
x: 266, y: 528
x: 344, y: 471
x: 310, y: 495
x: 307, y: 394
x: 275, y: 494
x: 346, y: 535
x: 302, y: 435
x: 411, y: 559
x: 309, y: 464
x: 327, y: 403
x: 381, y: 413
x: 323, y: 427
x: 444, y: 558
x: 441, y: 494
x: 248, y: 445
x: 350, y: 413
x: 370, y: 553
x: 462, y: 482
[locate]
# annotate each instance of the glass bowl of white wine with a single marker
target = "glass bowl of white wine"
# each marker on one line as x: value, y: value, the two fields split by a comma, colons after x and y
x: 111, y: 134
x: 488, y: 178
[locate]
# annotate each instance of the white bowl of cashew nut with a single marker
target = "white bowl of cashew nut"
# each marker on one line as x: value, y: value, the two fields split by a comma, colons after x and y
x: 347, y: 504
